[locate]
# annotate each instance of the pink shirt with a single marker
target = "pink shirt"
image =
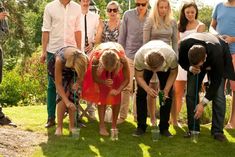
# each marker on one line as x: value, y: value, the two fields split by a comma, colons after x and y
x: 61, y: 23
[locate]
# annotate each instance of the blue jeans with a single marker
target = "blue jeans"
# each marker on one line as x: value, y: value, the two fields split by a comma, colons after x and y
x: 218, y: 104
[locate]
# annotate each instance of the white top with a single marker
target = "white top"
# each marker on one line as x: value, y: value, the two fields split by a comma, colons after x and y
x: 92, y: 26
x: 182, y: 74
x: 61, y: 23
x: 169, y: 55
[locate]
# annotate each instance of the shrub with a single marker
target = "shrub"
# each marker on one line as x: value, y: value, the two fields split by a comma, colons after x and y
x: 25, y: 84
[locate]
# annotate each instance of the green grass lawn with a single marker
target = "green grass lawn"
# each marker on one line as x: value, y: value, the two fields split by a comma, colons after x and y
x: 33, y: 118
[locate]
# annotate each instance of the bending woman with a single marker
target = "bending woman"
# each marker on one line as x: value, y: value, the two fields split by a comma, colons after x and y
x: 67, y: 67
x: 107, y: 75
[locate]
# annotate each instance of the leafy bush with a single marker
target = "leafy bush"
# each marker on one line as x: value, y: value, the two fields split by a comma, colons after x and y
x: 10, y: 90
x: 25, y: 84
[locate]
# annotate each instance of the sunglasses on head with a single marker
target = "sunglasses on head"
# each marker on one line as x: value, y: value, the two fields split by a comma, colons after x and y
x: 141, y: 4
x: 115, y: 10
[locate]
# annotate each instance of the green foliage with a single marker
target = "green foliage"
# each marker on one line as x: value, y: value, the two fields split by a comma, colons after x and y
x: 25, y: 23
x: 25, y: 84
x: 205, y: 14
x: 10, y: 91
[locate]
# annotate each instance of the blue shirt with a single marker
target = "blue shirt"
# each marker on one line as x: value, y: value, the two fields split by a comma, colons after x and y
x: 225, y: 17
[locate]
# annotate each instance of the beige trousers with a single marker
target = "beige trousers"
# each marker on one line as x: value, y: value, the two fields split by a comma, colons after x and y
x: 127, y: 93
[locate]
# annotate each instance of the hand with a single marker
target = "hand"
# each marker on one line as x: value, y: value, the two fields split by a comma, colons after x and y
x: 194, y: 70
x: 166, y: 92
x: 71, y: 106
x: 88, y: 48
x: 75, y: 86
x: 43, y: 58
x: 108, y: 82
x: 3, y: 15
x: 152, y: 92
x: 198, y: 111
x: 228, y: 39
x: 114, y: 92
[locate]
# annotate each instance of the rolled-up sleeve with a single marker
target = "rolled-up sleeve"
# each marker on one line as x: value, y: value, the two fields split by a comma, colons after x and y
x: 78, y: 23
x: 46, y: 26
x: 175, y: 37
x: 123, y: 32
x: 147, y: 30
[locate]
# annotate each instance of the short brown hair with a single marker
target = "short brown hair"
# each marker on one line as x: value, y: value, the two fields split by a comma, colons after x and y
x: 154, y: 59
x: 196, y: 54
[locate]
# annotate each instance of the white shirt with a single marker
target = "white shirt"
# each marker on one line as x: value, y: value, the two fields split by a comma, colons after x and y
x: 61, y: 23
x: 169, y: 55
x: 92, y: 20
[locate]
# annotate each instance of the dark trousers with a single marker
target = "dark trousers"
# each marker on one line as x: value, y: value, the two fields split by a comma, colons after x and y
x: 141, y: 102
x: 218, y: 104
x: 1, y: 113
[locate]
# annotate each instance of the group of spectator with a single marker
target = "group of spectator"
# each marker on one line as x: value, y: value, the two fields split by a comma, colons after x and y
x: 107, y: 62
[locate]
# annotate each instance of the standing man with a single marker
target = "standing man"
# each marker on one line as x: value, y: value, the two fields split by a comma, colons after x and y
x: 131, y: 38
x: 4, y: 120
x: 158, y: 57
x: 89, y: 26
x: 200, y: 54
x: 61, y: 27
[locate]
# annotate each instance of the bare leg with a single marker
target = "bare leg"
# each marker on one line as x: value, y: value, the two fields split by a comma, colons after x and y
x: 115, y: 109
x: 101, y: 112
x: 60, y: 113
x: 71, y: 119
x: 231, y: 122
x: 152, y: 104
x: 179, y: 87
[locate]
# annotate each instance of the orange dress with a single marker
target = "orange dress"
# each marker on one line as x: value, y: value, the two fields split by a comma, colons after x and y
x: 99, y: 93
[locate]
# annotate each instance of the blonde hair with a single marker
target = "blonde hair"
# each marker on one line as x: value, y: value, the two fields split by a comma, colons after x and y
x: 114, y: 3
x: 110, y: 57
x: 79, y: 61
x: 154, y: 59
x: 155, y: 17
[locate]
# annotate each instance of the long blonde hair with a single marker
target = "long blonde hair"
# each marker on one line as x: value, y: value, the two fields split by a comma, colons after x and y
x: 79, y: 61
x: 155, y: 17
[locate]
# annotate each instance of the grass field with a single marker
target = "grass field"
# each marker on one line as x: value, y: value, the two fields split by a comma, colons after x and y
x: 90, y: 144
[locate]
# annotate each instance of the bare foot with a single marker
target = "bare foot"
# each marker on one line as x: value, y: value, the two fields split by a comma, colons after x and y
x: 58, y: 132
x: 229, y: 126
x: 104, y: 132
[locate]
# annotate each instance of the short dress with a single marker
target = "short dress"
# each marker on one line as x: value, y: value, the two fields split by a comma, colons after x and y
x: 99, y: 93
x: 69, y: 76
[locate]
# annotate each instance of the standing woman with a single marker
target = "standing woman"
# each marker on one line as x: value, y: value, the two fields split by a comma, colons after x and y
x: 160, y: 26
x: 67, y: 68
x: 187, y: 24
x: 223, y: 22
x: 108, y: 30
x: 107, y: 75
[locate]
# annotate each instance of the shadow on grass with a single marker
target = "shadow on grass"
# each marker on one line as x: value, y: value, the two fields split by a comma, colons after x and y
x: 92, y: 144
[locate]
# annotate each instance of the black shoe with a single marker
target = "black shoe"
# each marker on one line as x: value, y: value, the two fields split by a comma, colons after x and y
x: 220, y: 137
x: 190, y: 134
x: 138, y: 132
x: 166, y: 133
x: 6, y: 121
x: 50, y: 123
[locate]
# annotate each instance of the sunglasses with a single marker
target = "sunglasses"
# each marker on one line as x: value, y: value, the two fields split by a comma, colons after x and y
x: 115, y: 10
x: 141, y: 4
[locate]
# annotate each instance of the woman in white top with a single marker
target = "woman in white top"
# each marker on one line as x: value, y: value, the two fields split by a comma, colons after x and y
x: 187, y: 24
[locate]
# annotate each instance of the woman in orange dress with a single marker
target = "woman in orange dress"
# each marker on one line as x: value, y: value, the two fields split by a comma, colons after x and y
x: 107, y: 75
